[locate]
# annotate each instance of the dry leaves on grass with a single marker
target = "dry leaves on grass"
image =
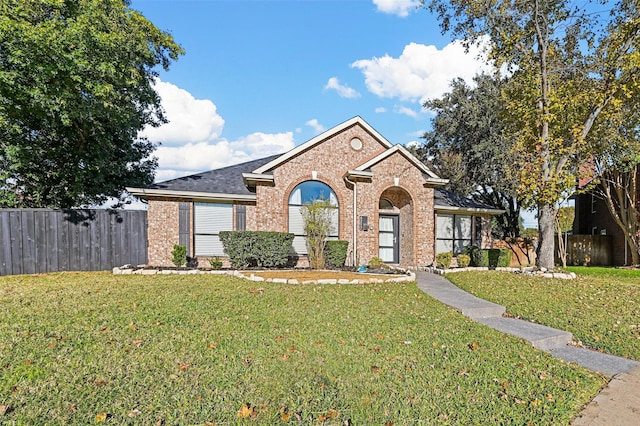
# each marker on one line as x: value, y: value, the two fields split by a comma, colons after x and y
x: 247, y: 411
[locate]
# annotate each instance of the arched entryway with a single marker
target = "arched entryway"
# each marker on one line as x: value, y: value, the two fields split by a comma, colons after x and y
x: 395, y: 227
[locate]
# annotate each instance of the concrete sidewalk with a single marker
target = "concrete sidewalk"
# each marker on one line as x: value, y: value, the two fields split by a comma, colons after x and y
x: 617, y: 404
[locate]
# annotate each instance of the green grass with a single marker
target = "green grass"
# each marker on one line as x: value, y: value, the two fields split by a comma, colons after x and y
x: 601, y: 309
x: 604, y: 271
x: 84, y: 348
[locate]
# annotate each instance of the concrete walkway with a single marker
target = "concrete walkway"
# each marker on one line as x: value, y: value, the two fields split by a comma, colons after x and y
x: 617, y: 404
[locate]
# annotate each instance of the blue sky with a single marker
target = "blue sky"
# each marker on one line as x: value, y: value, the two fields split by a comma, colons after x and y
x: 260, y: 77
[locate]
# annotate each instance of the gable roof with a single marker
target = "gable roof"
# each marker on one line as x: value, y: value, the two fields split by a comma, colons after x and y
x: 318, y: 139
x: 220, y: 184
x: 449, y: 202
x: 430, y: 177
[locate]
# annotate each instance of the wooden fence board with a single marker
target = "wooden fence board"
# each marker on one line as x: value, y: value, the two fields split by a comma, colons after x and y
x: 16, y: 241
x: 5, y: 245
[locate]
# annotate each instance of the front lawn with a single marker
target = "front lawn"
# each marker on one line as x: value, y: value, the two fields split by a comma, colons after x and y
x: 601, y: 307
x: 84, y: 348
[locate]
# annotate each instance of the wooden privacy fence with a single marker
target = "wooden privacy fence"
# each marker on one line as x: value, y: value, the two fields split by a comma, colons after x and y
x: 45, y: 240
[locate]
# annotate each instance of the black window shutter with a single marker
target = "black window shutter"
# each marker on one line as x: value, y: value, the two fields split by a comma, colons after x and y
x: 241, y: 218
x: 183, y: 232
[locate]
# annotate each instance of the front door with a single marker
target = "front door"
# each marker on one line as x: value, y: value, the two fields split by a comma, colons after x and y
x: 388, y: 239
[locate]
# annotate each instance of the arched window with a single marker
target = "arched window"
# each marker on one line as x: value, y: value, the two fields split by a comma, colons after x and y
x: 385, y: 204
x: 305, y: 193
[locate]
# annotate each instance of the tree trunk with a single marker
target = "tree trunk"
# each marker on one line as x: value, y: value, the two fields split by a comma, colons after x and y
x: 546, y: 225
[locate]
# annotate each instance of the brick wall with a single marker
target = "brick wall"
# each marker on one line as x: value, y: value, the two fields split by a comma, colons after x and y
x: 163, y: 231
x: 331, y: 160
x: 417, y: 246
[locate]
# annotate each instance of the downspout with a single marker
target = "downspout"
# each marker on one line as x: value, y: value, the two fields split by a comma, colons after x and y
x: 355, y: 220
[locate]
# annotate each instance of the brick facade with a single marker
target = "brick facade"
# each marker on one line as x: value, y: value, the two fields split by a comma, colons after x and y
x: 391, y: 173
x: 163, y: 230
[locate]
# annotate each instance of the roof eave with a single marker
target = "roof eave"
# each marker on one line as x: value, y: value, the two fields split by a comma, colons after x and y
x: 435, y: 181
x: 451, y: 209
x: 257, y: 178
x: 361, y: 174
x: 189, y: 195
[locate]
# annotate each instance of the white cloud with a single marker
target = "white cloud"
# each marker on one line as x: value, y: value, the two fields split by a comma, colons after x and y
x: 313, y: 123
x: 380, y: 110
x: 396, y: 7
x: 400, y: 109
x: 263, y: 144
x: 176, y: 161
x: 192, y: 142
x: 421, y: 72
x: 190, y: 119
x: 342, y: 90
x: 413, y: 144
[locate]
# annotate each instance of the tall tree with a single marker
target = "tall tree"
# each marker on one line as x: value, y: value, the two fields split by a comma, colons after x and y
x: 470, y: 145
x: 76, y: 88
x: 568, y: 68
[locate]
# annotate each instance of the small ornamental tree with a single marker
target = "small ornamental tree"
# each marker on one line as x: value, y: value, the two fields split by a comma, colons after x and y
x: 317, y: 226
x: 179, y: 255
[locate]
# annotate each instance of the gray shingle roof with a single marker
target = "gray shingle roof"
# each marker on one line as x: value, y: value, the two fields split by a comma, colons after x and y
x: 227, y: 180
x: 444, y: 198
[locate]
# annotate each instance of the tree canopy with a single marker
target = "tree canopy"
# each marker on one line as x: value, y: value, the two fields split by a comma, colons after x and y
x: 471, y: 146
x: 570, y: 69
x: 76, y: 88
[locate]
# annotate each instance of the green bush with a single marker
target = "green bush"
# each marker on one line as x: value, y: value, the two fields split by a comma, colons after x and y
x: 335, y: 253
x: 443, y: 260
x: 257, y: 248
x: 179, y: 255
x: 463, y: 260
x: 490, y: 258
x: 377, y: 263
x: 215, y: 263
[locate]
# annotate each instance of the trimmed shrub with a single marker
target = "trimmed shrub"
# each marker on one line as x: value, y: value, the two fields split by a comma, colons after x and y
x: 179, y: 255
x: 335, y: 253
x: 490, y: 258
x: 257, y: 248
x: 377, y: 263
x: 443, y: 260
x: 463, y: 260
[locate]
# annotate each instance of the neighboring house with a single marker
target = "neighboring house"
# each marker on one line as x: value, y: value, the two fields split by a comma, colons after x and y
x: 593, y: 218
x: 387, y: 203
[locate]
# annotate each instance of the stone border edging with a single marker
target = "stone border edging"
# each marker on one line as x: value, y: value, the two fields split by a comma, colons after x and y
x: 525, y: 271
x: 124, y: 270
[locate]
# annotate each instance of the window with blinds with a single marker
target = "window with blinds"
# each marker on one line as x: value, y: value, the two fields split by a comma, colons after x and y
x: 453, y: 233
x: 208, y: 220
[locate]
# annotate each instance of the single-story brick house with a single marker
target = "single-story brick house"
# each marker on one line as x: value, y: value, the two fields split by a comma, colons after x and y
x: 388, y: 204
